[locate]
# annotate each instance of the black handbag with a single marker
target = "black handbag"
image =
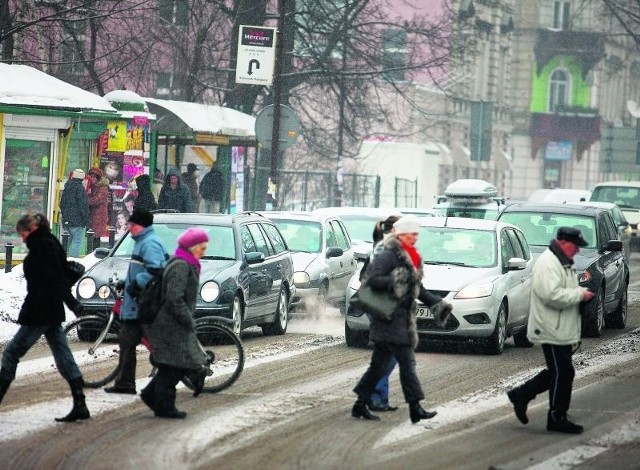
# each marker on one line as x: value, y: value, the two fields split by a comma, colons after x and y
x: 73, y: 271
x: 380, y: 305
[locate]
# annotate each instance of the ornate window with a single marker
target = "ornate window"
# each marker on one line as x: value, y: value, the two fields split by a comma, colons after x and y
x: 562, y: 15
x: 559, y: 90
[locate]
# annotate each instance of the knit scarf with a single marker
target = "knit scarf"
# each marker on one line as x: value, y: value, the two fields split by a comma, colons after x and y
x: 186, y: 255
x: 413, y: 254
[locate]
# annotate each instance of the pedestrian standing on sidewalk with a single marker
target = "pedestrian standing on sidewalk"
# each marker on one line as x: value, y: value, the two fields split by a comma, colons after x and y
x: 176, y: 350
x: 148, y: 256
x: 555, y: 324
x: 398, y: 271
x: 42, y: 312
x: 98, y: 204
x: 74, y: 208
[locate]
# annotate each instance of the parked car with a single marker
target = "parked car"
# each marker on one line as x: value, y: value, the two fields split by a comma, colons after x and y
x: 483, y: 268
x: 246, y: 277
x: 601, y: 265
x: 473, y: 198
x: 323, y: 258
x: 626, y: 195
x: 624, y: 229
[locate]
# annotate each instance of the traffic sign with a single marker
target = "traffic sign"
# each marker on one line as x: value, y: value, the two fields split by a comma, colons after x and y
x: 256, y: 55
x: 289, y: 127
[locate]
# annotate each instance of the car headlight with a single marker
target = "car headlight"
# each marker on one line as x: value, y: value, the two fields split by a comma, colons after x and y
x: 104, y: 292
x: 475, y: 292
x: 301, y: 277
x: 86, y: 288
x: 209, y: 291
x: 584, y: 277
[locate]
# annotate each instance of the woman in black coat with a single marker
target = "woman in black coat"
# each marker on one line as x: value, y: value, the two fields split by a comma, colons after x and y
x: 398, y: 271
x: 42, y: 311
x: 145, y: 199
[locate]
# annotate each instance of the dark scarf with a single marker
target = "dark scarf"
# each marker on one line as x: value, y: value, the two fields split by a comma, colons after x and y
x: 186, y: 255
x: 413, y: 254
x: 556, y: 250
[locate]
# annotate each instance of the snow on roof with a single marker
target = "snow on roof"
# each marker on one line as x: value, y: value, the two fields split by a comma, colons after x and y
x: 124, y: 96
x: 208, y: 118
x: 22, y: 85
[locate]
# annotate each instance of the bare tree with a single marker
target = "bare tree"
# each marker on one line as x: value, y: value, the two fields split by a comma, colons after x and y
x: 627, y: 13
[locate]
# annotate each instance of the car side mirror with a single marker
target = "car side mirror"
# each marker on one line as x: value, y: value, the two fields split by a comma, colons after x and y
x: 334, y: 251
x: 254, y: 257
x: 613, y: 245
x: 516, y: 264
x: 101, y: 252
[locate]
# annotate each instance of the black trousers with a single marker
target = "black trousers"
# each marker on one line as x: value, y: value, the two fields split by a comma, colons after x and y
x: 162, y: 389
x: 131, y: 332
x: 380, y: 360
x: 557, y: 378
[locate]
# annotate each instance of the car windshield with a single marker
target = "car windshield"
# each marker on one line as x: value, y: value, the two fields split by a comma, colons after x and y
x: 624, y: 197
x: 360, y: 227
x: 301, y: 235
x: 539, y: 229
x: 461, y: 247
x: 221, y: 241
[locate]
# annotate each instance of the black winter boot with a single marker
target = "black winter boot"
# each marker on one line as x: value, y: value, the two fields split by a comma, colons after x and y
x: 79, y: 410
x: 559, y: 422
x: 360, y: 410
x: 165, y: 405
x: 4, y: 386
x: 520, y: 404
x: 416, y: 412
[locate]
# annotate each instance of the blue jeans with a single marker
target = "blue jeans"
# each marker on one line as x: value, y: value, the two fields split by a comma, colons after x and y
x: 76, y: 236
x: 26, y: 337
x: 380, y: 395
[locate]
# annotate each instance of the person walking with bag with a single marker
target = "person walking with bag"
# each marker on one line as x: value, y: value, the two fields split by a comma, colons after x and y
x: 148, y: 256
x: 176, y: 350
x: 555, y: 323
x: 397, y: 270
x: 42, y: 312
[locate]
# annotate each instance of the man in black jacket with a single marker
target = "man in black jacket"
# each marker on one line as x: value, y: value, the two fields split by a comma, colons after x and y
x: 75, y: 211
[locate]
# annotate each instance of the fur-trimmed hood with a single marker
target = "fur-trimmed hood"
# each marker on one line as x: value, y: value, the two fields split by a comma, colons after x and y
x: 405, y: 276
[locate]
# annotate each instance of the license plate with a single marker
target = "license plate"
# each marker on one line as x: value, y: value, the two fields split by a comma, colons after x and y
x: 424, y: 312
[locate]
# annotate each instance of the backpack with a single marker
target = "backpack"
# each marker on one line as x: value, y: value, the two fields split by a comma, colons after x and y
x: 151, y: 297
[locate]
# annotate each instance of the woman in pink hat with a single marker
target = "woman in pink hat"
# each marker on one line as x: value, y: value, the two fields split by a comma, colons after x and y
x: 176, y: 350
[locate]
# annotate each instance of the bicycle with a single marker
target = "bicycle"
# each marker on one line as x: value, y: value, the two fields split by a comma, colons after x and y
x: 223, y: 367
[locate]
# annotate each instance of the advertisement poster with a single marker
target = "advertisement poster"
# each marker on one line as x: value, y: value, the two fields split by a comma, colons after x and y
x: 135, y: 163
x: 117, y: 136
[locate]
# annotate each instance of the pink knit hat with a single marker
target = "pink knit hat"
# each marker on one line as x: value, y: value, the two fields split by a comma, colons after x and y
x: 192, y: 237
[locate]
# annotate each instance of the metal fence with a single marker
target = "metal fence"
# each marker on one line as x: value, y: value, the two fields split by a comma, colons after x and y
x: 405, y: 192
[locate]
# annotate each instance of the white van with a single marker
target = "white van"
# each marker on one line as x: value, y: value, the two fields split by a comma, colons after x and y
x: 626, y: 195
x: 472, y: 198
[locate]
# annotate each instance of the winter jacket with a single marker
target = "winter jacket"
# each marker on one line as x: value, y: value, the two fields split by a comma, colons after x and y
x: 145, y: 199
x: 178, y: 198
x: 211, y: 186
x: 46, y: 282
x: 392, y: 271
x: 99, y: 207
x: 554, y: 317
x: 149, y: 254
x: 191, y: 181
x: 173, y: 337
x: 74, y: 204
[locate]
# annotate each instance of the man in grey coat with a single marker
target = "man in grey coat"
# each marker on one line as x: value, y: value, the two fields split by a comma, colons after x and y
x: 554, y: 323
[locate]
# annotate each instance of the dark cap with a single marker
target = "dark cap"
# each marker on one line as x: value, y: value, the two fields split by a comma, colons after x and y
x: 141, y: 217
x: 572, y: 235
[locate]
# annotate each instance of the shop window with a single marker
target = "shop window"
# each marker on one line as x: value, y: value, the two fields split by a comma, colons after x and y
x: 559, y: 88
x: 26, y: 185
x: 174, y: 11
x: 562, y: 15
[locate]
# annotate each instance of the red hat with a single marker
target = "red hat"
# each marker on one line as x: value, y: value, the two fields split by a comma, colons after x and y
x: 96, y: 171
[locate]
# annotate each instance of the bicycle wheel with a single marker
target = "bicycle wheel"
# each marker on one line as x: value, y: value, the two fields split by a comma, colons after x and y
x: 226, y: 360
x: 96, y: 354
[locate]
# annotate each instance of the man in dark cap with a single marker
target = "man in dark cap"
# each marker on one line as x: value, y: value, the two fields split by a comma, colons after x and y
x: 554, y: 323
x: 149, y: 255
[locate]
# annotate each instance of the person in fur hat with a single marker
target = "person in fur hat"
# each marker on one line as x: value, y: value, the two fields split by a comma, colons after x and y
x: 398, y: 271
x: 98, y: 204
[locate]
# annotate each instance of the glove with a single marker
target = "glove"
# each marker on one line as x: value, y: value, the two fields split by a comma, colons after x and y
x: 441, y: 312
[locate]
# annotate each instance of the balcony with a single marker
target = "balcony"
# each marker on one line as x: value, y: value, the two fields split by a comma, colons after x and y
x: 587, y: 46
x: 581, y: 125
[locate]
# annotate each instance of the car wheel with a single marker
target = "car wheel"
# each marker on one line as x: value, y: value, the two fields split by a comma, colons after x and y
x: 520, y: 339
x: 237, y: 312
x: 495, y: 343
x: 355, y: 338
x: 618, y: 318
x: 593, y: 323
x: 281, y: 319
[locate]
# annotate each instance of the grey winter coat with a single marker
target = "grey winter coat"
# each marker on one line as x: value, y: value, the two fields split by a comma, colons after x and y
x: 178, y: 198
x: 392, y: 271
x: 173, y: 337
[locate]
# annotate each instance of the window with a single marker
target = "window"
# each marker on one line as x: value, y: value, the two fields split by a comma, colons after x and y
x: 394, y: 54
x: 72, y: 47
x: 559, y: 84
x: 174, y: 11
x: 507, y: 251
x: 515, y: 243
x: 258, y: 238
x: 276, y: 239
x: 341, y: 239
x: 248, y: 245
x: 561, y: 15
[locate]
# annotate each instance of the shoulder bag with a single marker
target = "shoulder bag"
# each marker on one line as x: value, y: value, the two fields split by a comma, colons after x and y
x: 380, y: 305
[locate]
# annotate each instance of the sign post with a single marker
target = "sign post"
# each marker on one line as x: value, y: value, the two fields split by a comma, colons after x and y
x: 256, y: 55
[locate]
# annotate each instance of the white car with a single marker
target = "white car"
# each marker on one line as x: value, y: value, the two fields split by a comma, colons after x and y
x: 483, y: 268
x: 473, y: 198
